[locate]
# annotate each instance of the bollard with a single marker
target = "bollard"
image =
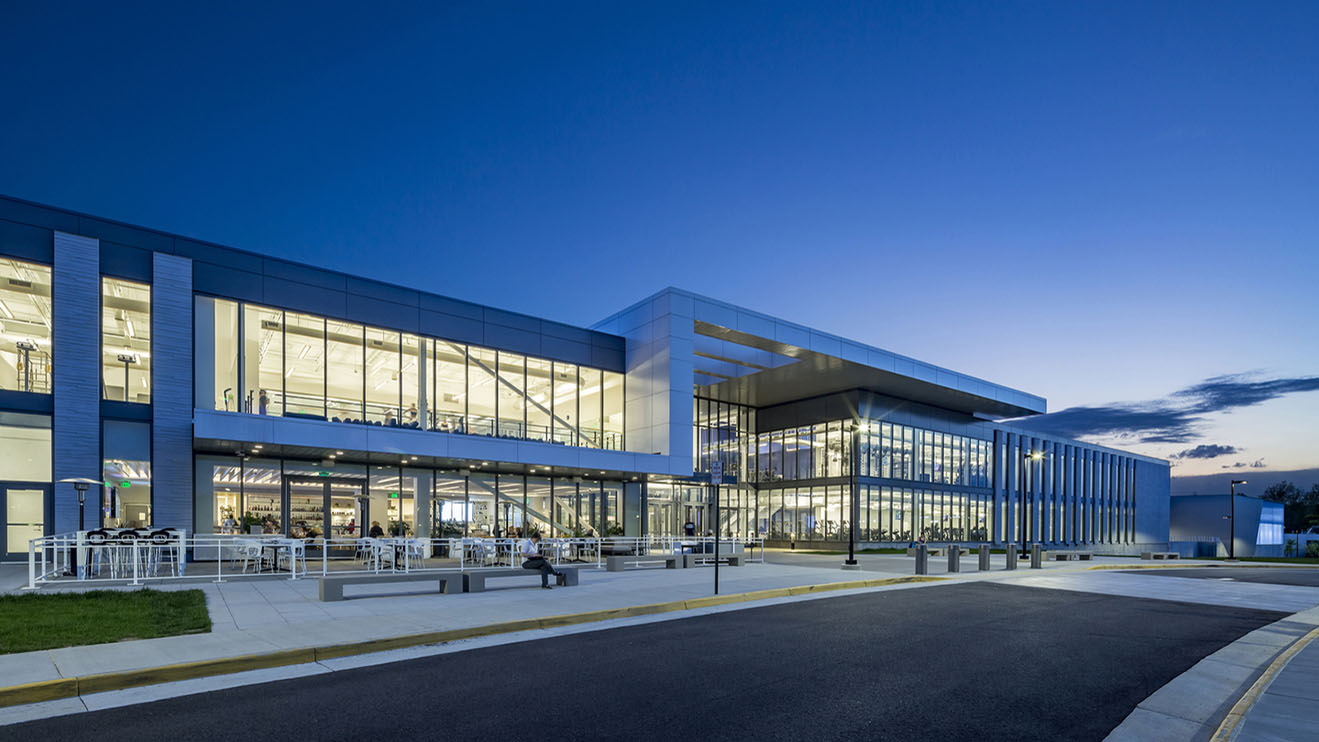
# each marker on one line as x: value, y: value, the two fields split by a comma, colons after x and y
x: 922, y: 560
x: 954, y: 558
x: 1036, y: 556
x: 984, y: 557
x: 1012, y: 556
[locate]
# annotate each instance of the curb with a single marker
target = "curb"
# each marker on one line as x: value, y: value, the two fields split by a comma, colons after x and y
x: 1216, y: 565
x: 51, y: 690
x: 1227, y: 729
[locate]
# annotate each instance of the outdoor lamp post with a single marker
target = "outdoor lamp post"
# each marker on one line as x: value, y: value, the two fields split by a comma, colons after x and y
x: 1028, y: 458
x: 80, y: 484
x: 1232, y: 519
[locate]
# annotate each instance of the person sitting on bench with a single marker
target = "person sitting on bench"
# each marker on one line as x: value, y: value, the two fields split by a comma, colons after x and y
x: 536, y: 560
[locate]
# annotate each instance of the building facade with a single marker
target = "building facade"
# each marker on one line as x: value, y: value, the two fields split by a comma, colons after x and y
x: 214, y: 389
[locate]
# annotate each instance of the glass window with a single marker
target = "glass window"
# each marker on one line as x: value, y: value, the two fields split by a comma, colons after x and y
x: 25, y: 326
x: 450, y: 503
x: 806, y: 452
x: 510, y: 520
x: 343, y: 376
x: 565, y: 403
x: 263, y: 360
x: 126, y: 454
x: 304, y: 375
x: 537, y: 398
x: 448, y: 408
x: 25, y: 441
x: 125, y: 341
x: 382, y: 376
x: 590, y: 410
x: 613, y: 410
x: 481, y: 391
x: 481, y: 497
x: 540, y: 508
x: 512, y: 384
x: 225, y: 345
x: 410, y: 376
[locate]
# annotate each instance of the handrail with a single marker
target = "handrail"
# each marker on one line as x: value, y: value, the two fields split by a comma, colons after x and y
x: 72, y: 557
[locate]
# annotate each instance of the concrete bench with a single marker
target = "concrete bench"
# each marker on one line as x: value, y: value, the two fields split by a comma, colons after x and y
x: 331, y: 587
x: 1069, y: 556
x: 1160, y: 555
x: 697, y: 560
x: 474, y: 581
x: 620, y: 563
x: 931, y: 550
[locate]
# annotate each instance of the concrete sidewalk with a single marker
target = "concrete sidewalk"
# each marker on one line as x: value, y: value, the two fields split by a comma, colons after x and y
x: 1288, y: 707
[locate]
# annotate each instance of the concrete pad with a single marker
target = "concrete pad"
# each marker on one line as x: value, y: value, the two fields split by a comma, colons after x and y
x: 1199, y: 693
x: 28, y: 667
x: 1144, y: 725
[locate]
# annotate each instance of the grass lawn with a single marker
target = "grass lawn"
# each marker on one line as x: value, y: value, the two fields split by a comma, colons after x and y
x: 52, y: 620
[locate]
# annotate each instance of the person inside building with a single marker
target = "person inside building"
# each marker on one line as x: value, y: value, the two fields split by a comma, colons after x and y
x: 376, y: 531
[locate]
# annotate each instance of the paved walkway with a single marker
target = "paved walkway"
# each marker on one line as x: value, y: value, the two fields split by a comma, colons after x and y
x: 1288, y: 709
x: 254, y: 616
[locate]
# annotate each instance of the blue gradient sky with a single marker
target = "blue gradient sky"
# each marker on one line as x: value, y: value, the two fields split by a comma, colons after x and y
x: 1096, y: 202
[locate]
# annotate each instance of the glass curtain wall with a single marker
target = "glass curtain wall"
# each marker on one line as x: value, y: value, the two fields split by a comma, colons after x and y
x: 125, y: 341
x: 25, y: 326
x: 308, y: 366
x: 304, y: 377
x: 126, y: 472
x: 904, y: 452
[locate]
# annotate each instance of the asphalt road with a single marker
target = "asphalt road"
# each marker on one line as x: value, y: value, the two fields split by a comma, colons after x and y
x: 1274, y: 576
x: 972, y: 661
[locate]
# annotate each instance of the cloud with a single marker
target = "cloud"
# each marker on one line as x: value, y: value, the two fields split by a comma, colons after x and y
x: 1256, y: 464
x: 1175, y: 418
x: 1206, y: 451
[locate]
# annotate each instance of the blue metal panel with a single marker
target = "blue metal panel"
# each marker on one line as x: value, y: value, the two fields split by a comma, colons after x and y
x: 219, y: 255
x: 302, y: 297
x: 36, y: 215
x: 511, y: 319
x: 125, y: 261
x: 227, y: 282
x: 26, y: 242
x: 508, y: 338
x: 305, y: 274
x: 76, y: 435
x: 384, y: 314
x: 171, y: 392
x: 383, y: 291
x: 445, y: 305
x: 124, y: 234
x: 452, y: 327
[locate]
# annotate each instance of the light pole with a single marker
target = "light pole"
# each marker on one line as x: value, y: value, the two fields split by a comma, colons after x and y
x: 1028, y: 458
x: 80, y: 484
x: 1232, y: 519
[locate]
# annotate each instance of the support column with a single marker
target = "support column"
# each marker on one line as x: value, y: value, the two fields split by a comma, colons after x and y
x: 171, y: 392
x: 76, y: 363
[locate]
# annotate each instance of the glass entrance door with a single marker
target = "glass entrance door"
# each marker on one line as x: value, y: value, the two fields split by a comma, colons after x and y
x: 329, y: 507
x: 307, y: 511
x: 24, y: 510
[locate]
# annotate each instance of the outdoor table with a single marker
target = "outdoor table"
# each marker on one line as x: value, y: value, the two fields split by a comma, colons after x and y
x: 274, y: 547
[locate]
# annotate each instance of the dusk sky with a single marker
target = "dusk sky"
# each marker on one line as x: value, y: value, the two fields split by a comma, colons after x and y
x: 1112, y: 205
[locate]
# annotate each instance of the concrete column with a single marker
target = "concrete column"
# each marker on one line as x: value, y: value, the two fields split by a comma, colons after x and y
x: 422, y: 500
x: 76, y: 363
x: 171, y: 392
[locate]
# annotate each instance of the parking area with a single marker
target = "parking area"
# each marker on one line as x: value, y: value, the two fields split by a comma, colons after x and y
x: 975, y: 660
